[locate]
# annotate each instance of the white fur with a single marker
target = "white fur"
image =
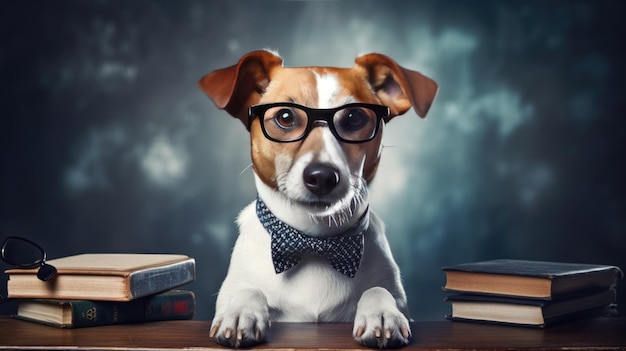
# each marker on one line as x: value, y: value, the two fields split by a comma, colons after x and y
x: 252, y: 293
x: 327, y: 89
x: 312, y: 291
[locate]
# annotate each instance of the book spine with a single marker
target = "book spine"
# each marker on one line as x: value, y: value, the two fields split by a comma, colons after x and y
x: 179, y: 304
x: 155, y: 280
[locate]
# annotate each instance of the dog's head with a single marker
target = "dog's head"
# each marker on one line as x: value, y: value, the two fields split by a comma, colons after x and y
x: 316, y: 131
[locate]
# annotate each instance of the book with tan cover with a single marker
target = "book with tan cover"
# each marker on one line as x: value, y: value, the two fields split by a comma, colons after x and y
x: 103, y: 276
x: 530, y: 279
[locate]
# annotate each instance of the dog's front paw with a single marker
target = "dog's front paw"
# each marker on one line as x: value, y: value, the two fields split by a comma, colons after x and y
x: 244, y: 322
x: 378, y: 322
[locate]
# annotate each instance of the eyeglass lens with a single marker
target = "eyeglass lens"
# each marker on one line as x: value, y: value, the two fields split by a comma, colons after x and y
x: 46, y: 272
x: 287, y: 123
x: 23, y: 253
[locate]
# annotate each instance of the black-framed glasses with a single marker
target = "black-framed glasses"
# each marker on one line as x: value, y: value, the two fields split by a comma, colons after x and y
x: 25, y: 254
x: 286, y: 122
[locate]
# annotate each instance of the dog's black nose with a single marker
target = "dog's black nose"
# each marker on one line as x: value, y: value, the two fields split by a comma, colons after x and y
x: 320, y: 178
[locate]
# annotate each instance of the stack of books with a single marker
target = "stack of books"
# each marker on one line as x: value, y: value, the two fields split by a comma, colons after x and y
x: 530, y: 293
x: 103, y: 289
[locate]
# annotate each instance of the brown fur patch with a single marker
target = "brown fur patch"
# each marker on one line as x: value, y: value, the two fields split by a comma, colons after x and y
x: 299, y: 85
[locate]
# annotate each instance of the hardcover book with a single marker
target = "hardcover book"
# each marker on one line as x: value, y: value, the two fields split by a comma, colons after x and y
x: 530, y: 279
x: 170, y: 305
x: 530, y: 312
x: 108, y: 277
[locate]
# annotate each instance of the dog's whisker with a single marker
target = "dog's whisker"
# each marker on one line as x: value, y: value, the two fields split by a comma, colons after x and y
x: 245, y: 169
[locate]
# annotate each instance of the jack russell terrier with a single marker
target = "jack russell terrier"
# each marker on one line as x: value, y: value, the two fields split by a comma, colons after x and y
x: 309, y: 247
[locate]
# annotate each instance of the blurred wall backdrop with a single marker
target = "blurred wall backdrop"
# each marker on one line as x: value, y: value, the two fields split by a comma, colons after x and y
x: 107, y: 145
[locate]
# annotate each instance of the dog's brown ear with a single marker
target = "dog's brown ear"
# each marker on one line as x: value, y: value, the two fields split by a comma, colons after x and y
x: 237, y: 87
x: 397, y: 87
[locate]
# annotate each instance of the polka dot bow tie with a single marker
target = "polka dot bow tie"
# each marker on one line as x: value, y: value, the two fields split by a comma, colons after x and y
x: 343, y: 251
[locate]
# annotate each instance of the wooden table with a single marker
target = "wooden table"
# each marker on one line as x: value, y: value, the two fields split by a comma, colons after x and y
x: 599, y: 334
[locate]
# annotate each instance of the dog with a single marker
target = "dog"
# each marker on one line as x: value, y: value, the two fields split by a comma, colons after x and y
x: 309, y: 248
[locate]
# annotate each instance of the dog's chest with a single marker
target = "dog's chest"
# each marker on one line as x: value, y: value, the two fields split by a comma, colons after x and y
x: 313, y: 291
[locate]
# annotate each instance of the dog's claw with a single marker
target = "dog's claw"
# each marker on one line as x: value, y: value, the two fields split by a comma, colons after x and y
x: 406, y: 333
x: 237, y: 337
x: 214, y: 329
x: 377, y: 333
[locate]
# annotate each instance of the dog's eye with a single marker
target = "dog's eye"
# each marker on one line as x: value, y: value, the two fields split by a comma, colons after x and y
x: 353, y: 120
x: 285, y: 118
